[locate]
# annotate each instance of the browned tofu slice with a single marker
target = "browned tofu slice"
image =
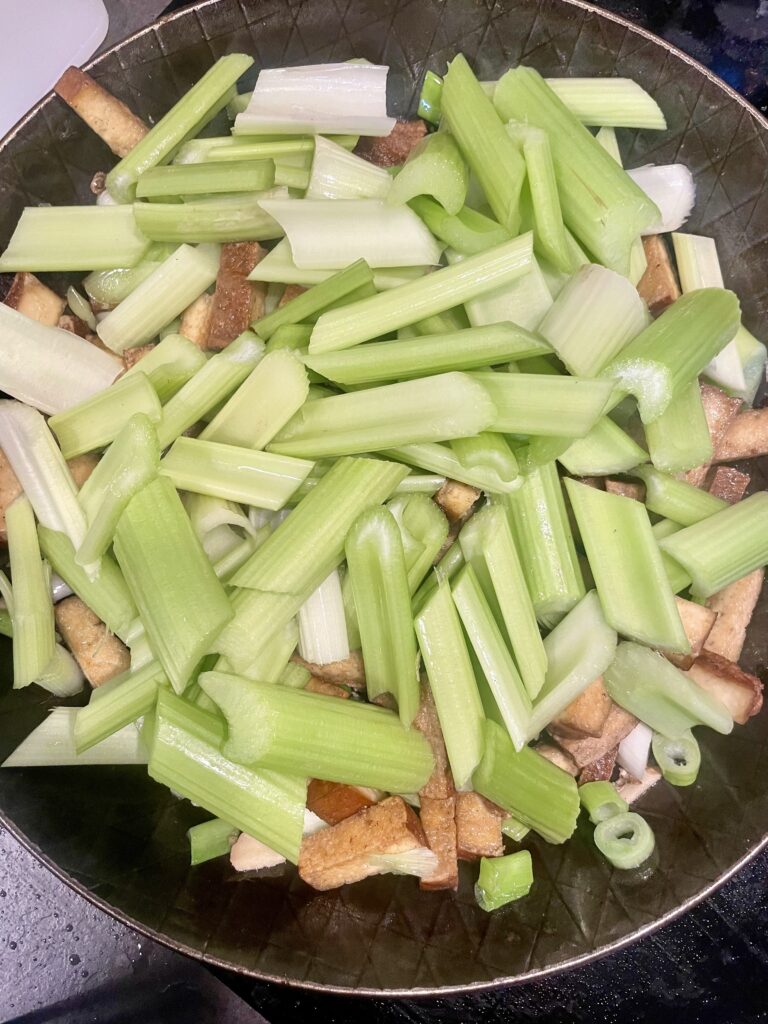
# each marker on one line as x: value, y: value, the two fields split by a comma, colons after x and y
x: 600, y: 770
x: 81, y: 467
x: 350, y: 672
x: 236, y: 300
x: 478, y: 827
x: 98, y: 652
x: 584, y: 751
x: 658, y: 286
x: 697, y: 622
x: 108, y: 116
x: 729, y: 484
x: 719, y: 409
x: 30, y: 296
x: 290, y: 292
x: 745, y: 438
x: 439, y: 785
x: 393, y: 149
x: 586, y: 715
x: 341, y: 853
x: 131, y: 356
x: 734, y: 606
x: 327, y: 689
x: 457, y: 500
x: 73, y: 324
x: 335, y: 801
x: 626, y: 489
x: 438, y: 819
x: 631, y: 790
x: 558, y: 757
x: 196, y: 320
x: 740, y: 692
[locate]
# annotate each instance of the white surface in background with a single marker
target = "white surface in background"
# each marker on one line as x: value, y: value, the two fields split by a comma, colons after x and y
x: 40, y: 39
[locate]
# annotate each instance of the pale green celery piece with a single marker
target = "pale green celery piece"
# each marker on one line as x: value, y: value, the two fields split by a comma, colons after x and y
x: 34, y: 636
x: 579, y: 649
x: 601, y: 801
x: 258, y: 479
x: 81, y: 307
x: 51, y: 745
x: 625, y: 562
x: 674, y: 350
x: 378, y: 575
x: 468, y: 231
x: 607, y: 139
x: 292, y: 337
x: 183, y: 121
x: 295, y: 676
x: 169, y: 365
x: 447, y: 322
x: 678, y: 578
x: 186, y: 756
x: 649, y: 686
x: 226, y: 218
x: 493, y: 655
x: 213, y: 520
x: 446, y: 569
x: 514, y: 829
x: 425, y: 409
x: 467, y: 349
x: 419, y: 299
x: 604, y: 450
x: 544, y: 541
x: 430, y: 99
x: 263, y: 404
x: 278, y: 267
x: 486, y: 450
x: 531, y: 789
x: 676, y: 499
x: 679, y: 439
x: 161, y: 296
x: 6, y: 625
x: 113, y: 285
x: 723, y: 547
x: 601, y: 204
x: 74, y: 238
x: 638, y: 261
x: 339, y: 174
x: 539, y: 451
x: 97, y: 421
x: 311, y: 734
x: 753, y: 356
x: 532, y: 403
x: 438, y: 458
x: 548, y: 226
x: 206, y: 178
x: 227, y: 565
x: 181, y: 602
x: 117, y: 703
x: 423, y: 529
x: 523, y: 302
x: 270, y: 664
x: 595, y: 315
x: 503, y: 880
x: 212, y: 384
x: 492, y: 156
x: 435, y: 167
x: 210, y: 839
x: 62, y: 676
x: 613, y: 103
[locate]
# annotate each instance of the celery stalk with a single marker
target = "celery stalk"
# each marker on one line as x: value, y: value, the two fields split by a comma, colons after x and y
x: 549, y: 230
x: 229, y: 218
x: 467, y: 231
x: 117, y: 703
x: 113, y: 285
x: 339, y: 174
x: 605, y: 449
x: 51, y: 744
x: 169, y: 365
x: 435, y: 167
x: 430, y: 98
x: 676, y: 499
x: 440, y: 459
x: 278, y: 267
x: 533, y: 403
x: 270, y: 664
x: 678, y: 578
x: 487, y: 451
x: 423, y: 531
x: 32, y: 611
x: 206, y: 178
x: 679, y: 439
x: 752, y: 356
x: 446, y: 569
x: 523, y: 302
x: 613, y: 102
x: 210, y: 839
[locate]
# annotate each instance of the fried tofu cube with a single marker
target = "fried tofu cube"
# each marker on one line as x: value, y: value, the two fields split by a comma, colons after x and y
x: 395, y: 148
x: 30, y: 296
x: 626, y: 489
x: 108, y: 116
x: 697, y: 622
x: 335, y: 801
x: 315, y: 685
x: 584, y: 751
x: 729, y: 484
x: 236, y: 300
x: 745, y: 438
x: 600, y: 770
x: 440, y: 783
x: 290, y: 292
x: 740, y: 692
x: 196, y: 320
x: 350, y: 672
x: 734, y: 606
x: 631, y: 790
x: 98, y: 652
x: 457, y: 500
x: 478, y: 827
x: 719, y: 410
x: 438, y: 819
x: 586, y: 715
x: 558, y: 757
x: 658, y: 286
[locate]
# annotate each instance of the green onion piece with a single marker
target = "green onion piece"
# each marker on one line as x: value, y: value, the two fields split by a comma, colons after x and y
x: 676, y: 499
x: 74, y: 238
x: 34, y: 636
x: 548, y: 228
x: 419, y: 299
x: 679, y: 759
x: 210, y: 839
x: 117, y: 703
x: 533, y: 403
x: 625, y: 840
x: 435, y: 167
x: 601, y: 801
x: 605, y: 449
x: 186, y: 757
x: 527, y: 786
x: 169, y: 365
x: 440, y: 459
x: 113, y: 285
x: 231, y: 218
x: 468, y: 232
x: 423, y: 531
x: 679, y: 439
x: 183, y: 121
x: 724, y: 547
x: 613, y: 102
x: 678, y: 578
x: 486, y: 450
x: 649, y: 686
x: 51, y: 744
x: 503, y: 880
x: 310, y: 734
x: 492, y: 156
x: 514, y: 829
x: 430, y: 99
x: 206, y: 178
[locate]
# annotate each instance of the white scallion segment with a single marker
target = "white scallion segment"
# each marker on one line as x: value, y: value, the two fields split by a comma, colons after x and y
x: 329, y: 234
x: 168, y: 290
x: 318, y: 98
x: 62, y: 675
x: 31, y: 606
x: 611, y: 102
x: 278, y: 267
x: 339, y: 174
x: 52, y: 745
x: 634, y: 749
x: 523, y: 302
x: 672, y: 189
x: 698, y: 266
x: 48, y: 368
x: 322, y: 626
x: 594, y: 316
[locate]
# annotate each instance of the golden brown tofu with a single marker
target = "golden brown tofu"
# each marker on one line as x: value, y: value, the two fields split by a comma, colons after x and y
x: 290, y: 292
x: 734, y: 606
x: 350, y: 672
x: 719, y: 410
x: 73, y: 324
x: 196, y: 320
x: 236, y: 300
x: 335, y: 801
x: 438, y: 819
x: 745, y: 438
x: 34, y: 299
x: 740, y: 692
x: 457, y: 500
x: 728, y: 483
x: 439, y: 785
x: 658, y: 286
x: 81, y: 467
x: 600, y: 770
x: 697, y: 622
x: 558, y: 757
x: 131, y: 356
x: 98, y: 652
x: 586, y: 715
x: 322, y: 686
x: 618, y: 724
x: 626, y: 489
x: 108, y: 116
x: 478, y: 827
x: 393, y: 149
x: 631, y: 790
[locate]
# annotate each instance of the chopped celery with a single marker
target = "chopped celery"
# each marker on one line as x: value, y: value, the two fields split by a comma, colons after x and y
x: 295, y: 676
x: 278, y: 267
x: 605, y: 449
x: 468, y: 232
x: 533, y: 403
x: 440, y: 459
x: 435, y: 167
x: 752, y: 356
x: 206, y: 178
x: 34, y: 636
x: 676, y: 499
x: 270, y: 664
x: 601, y: 801
x: 169, y: 365
x: 430, y: 98
x: 446, y: 569
x: 503, y: 880
x: 113, y: 285
x: 523, y: 302
x: 52, y: 744
x: 678, y: 578
x: 613, y: 102
x: 230, y: 218
x: 323, y: 636
x: 339, y: 174
x: 548, y: 228
x: 514, y: 829
x: 210, y: 839
x: 117, y: 703
x: 679, y: 439
x: 423, y: 531
x: 6, y: 625
x: 679, y: 759
x: 447, y: 322
x: 487, y: 451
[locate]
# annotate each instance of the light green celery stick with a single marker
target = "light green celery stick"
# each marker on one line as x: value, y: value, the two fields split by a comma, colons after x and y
x: 420, y: 483
x: 160, y: 297
x: 51, y: 745
x: 548, y: 228
x: 595, y: 315
x: 228, y: 218
x: 723, y: 547
x: 447, y: 322
x: 307, y: 734
x: 97, y: 421
x: 435, y: 167
x: 605, y: 449
x: 440, y: 459
x: 290, y: 336
x: 169, y: 365
x: 6, y: 625
x: 183, y: 121
x: 678, y: 578
x: 674, y: 350
x: 34, y: 636
x: 533, y: 403
x: 339, y: 174
x: 74, y: 238
x: 452, y: 680
x: 206, y: 178
x: 446, y: 569
x: 295, y: 676
x: 492, y: 156
x: 468, y: 232
x: 113, y: 285
x: 677, y: 499
x: 211, y: 385
x: 258, y: 479
x: 486, y: 450
x: 503, y: 880
x: 601, y: 204
x: 625, y: 562
x: 753, y: 356
x: 270, y: 664
x: 213, y: 520
x: 607, y: 139
x: 186, y: 757
x: 523, y: 301
x: 412, y: 302
x: 514, y: 829
x: 649, y: 686
x: 377, y: 572
x: 617, y: 102
x: 430, y: 99
x: 638, y: 262
x: 181, y: 602
x: 117, y: 703
x: 210, y: 839
x: 534, y: 791
x: 579, y: 649
x: 423, y: 530
x: 679, y: 439
x: 263, y: 403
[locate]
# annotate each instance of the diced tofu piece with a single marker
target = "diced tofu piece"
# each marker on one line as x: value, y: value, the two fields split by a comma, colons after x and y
x: 350, y: 672
x: 131, y: 356
x: 393, y: 149
x: 30, y: 296
x: 600, y: 770
x: 697, y: 621
x: 335, y: 801
x: 98, y: 652
x: 341, y: 853
x: 631, y: 790
x: 740, y: 692
x: 236, y: 300
x: 457, y: 500
x: 729, y: 484
x: 316, y: 685
x: 104, y: 113
x: 438, y: 819
x: 658, y: 286
x: 626, y: 489
x: 719, y: 410
x: 618, y: 724
x: 73, y: 324
x: 290, y: 292
x: 440, y: 783
x: 745, y: 438
x: 81, y: 467
x: 196, y: 320
x: 734, y: 606
x: 586, y: 715
x: 478, y: 827
x: 250, y: 854
x: 598, y: 482
x: 559, y: 758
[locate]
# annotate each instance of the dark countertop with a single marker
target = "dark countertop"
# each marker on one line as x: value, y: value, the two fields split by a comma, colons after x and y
x: 63, y: 961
